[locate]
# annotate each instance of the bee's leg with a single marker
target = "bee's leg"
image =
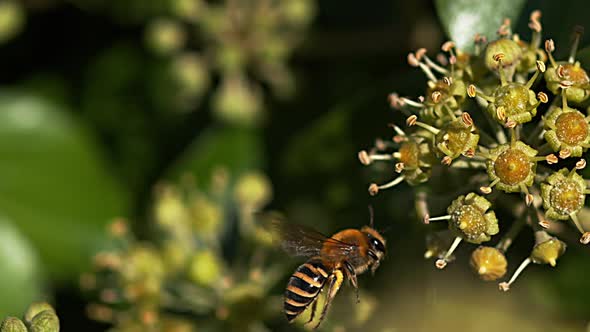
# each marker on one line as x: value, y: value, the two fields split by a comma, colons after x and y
x: 336, y: 280
x: 353, y: 280
x: 314, y: 307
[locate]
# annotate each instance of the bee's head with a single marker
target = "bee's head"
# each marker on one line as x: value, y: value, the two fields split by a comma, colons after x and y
x: 376, y: 242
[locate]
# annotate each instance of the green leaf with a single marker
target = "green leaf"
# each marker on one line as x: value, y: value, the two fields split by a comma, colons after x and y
x: 462, y: 19
x: 20, y: 280
x: 234, y: 148
x: 54, y: 184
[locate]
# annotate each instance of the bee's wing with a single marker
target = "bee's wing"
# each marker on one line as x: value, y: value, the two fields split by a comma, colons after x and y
x: 303, y: 241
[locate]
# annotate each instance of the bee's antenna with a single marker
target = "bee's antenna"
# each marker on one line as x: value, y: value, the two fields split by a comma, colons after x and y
x: 371, y: 216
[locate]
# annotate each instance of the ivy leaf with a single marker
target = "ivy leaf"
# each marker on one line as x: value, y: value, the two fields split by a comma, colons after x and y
x: 20, y: 280
x: 54, y: 184
x: 237, y: 149
x: 462, y: 19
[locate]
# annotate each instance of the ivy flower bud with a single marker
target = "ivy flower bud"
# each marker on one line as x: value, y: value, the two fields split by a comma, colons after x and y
x: 489, y: 263
x: 512, y: 102
x: 35, y: 308
x: 143, y: 272
x: 45, y: 321
x: 207, y: 215
x: 205, y: 268
x: 512, y: 55
x: 12, y: 324
x: 566, y: 129
x: 547, y: 249
x: 253, y: 189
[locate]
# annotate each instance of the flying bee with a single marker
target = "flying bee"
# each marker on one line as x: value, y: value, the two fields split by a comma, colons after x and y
x: 331, y: 260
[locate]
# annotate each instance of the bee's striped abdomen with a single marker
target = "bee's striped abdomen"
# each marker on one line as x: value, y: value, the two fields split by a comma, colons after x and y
x: 303, y: 287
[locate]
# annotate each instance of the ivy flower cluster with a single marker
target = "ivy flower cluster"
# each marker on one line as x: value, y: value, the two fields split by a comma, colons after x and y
x: 183, y: 275
x: 506, y: 121
x: 244, y: 45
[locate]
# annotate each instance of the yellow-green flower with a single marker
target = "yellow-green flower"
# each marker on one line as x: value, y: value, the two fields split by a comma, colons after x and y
x: 512, y: 167
x: 469, y: 219
x: 563, y: 194
x: 567, y: 131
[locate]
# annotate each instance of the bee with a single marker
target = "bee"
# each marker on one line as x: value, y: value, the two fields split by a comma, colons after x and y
x: 331, y: 261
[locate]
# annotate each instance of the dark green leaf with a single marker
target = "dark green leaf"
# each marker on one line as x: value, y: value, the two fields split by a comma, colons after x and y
x: 53, y: 183
x: 236, y: 149
x: 20, y: 280
x: 462, y: 19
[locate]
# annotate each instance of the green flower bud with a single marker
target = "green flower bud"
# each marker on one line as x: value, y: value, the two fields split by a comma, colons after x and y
x: 469, y: 219
x: 547, y: 249
x: 188, y: 9
x: 191, y: 74
x: 205, y: 268
x: 512, y: 55
x: 12, y: 324
x: 297, y: 12
x: 165, y: 36
x: 12, y: 19
x: 35, y: 308
x: 207, y: 216
x: 253, y: 189
x: 169, y: 208
x: 489, y: 263
x: 142, y: 272
x: 238, y: 101
x: 45, y: 321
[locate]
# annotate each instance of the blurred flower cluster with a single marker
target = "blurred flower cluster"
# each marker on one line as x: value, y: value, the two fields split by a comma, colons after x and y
x: 204, y: 265
x: 39, y: 317
x: 244, y: 45
x: 504, y: 122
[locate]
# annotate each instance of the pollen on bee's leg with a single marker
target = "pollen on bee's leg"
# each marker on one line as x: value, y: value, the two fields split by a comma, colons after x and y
x: 505, y: 286
x: 442, y: 262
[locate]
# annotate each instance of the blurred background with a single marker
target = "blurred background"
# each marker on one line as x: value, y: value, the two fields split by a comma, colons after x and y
x: 112, y: 109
